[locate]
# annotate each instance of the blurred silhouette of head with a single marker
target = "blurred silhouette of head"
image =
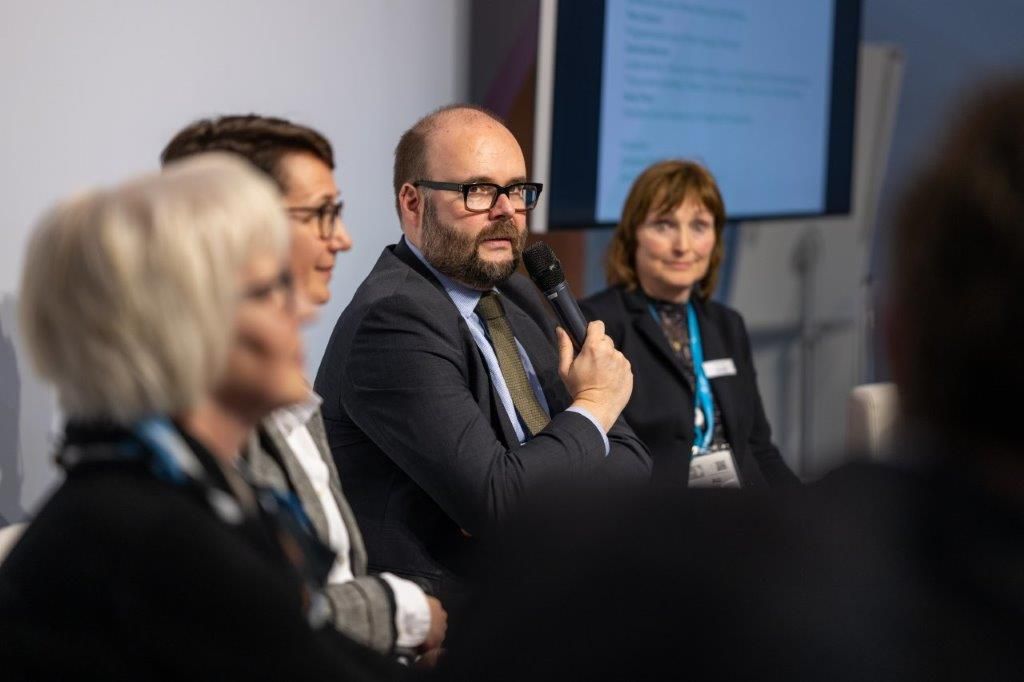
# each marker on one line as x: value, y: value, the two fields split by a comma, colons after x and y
x: 956, y: 324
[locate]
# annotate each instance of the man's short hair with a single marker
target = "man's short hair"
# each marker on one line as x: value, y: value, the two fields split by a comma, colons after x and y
x: 411, y: 152
x: 262, y: 140
x: 128, y: 293
x: 958, y: 276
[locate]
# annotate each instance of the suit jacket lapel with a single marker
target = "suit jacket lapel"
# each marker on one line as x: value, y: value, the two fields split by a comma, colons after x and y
x: 263, y: 464
x: 714, y: 349
x: 403, y: 253
x: 652, y: 333
x: 297, y: 475
x: 357, y: 550
x: 510, y: 439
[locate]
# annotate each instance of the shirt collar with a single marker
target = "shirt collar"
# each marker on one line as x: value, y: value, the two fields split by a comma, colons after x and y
x: 464, y: 298
x: 291, y: 417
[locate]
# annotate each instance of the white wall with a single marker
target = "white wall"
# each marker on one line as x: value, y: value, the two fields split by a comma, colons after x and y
x: 92, y: 90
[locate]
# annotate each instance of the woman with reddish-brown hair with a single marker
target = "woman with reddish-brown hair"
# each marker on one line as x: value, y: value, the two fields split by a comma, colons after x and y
x: 695, y: 400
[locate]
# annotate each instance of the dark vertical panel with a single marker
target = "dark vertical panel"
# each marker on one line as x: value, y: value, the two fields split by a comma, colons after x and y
x: 576, y: 115
x: 845, y: 58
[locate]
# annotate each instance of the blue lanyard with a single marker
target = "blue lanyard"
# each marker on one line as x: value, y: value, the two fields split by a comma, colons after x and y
x: 703, y: 429
x: 702, y: 433
x: 173, y: 460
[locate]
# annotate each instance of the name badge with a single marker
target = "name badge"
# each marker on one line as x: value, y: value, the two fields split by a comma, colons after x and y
x: 715, y: 469
x: 723, y: 367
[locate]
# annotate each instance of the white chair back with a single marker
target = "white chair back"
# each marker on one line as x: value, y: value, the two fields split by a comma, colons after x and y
x: 871, y: 415
x: 9, y: 537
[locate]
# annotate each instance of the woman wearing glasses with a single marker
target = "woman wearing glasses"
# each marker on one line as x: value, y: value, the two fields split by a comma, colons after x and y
x: 695, y: 400
x: 290, y: 451
x: 163, y: 313
x: 301, y: 162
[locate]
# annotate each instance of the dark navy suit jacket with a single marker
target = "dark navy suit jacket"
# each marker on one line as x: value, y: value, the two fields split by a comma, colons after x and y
x: 430, y: 460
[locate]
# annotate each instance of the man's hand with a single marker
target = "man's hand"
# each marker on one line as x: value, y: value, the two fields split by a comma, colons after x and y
x: 438, y: 625
x: 599, y: 379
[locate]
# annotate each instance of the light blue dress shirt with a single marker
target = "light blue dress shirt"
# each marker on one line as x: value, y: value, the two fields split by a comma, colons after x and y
x: 465, y: 300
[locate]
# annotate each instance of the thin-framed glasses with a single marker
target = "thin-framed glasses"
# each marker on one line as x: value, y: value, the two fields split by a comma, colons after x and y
x: 480, y: 197
x: 327, y: 216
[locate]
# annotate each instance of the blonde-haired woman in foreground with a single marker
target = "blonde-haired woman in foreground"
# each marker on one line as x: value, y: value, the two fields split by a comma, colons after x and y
x: 163, y: 313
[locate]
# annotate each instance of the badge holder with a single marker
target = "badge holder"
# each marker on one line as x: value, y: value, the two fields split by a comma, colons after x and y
x: 714, y: 469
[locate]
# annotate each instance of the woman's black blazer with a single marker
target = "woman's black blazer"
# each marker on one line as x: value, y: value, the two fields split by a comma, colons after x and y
x: 123, y: 576
x: 661, y: 407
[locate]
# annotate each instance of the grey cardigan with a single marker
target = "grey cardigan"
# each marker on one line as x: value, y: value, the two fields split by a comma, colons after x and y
x: 364, y: 608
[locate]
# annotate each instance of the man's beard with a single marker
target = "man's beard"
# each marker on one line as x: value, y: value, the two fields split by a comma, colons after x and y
x: 456, y: 255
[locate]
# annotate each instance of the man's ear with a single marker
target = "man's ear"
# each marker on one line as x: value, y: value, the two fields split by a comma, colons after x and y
x: 410, y: 205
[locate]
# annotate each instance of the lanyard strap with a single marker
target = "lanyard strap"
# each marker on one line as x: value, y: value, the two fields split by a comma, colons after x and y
x: 175, y: 462
x: 703, y: 430
x: 172, y: 460
x: 704, y: 403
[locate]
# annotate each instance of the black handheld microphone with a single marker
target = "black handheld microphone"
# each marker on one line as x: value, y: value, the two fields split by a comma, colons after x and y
x: 546, y: 273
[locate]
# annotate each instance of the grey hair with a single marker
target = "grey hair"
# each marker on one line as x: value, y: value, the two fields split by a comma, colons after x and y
x: 128, y: 294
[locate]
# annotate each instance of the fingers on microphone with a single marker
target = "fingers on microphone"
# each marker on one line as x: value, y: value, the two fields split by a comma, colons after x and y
x: 565, y: 351
x: 595, y: 334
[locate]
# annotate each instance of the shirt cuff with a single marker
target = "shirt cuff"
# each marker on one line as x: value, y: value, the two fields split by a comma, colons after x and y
x: 600, y: 429
x: 412, y: 612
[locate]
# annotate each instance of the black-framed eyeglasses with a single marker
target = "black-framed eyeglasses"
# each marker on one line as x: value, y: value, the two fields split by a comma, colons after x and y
x: 283, y: 283
x: 326, y: 216
x: 480, y: 197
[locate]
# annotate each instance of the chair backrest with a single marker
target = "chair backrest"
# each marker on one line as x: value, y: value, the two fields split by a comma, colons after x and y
x: 871, y: 414
x: 9, y: 537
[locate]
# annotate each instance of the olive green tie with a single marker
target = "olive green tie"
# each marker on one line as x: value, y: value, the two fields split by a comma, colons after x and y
x: 504, y: 342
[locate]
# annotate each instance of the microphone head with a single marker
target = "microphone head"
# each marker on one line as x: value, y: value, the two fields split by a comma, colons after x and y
x: 542, y: 264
